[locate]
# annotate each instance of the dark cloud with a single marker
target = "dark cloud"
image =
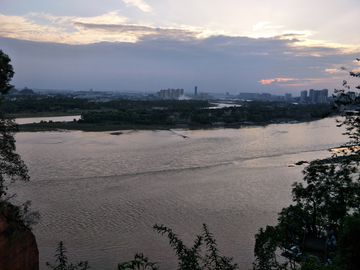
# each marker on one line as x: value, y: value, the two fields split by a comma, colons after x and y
x: 139, y: 31
x: 214, y: 64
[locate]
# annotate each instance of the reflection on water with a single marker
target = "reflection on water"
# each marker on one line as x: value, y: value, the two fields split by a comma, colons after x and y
x: 101, y: 194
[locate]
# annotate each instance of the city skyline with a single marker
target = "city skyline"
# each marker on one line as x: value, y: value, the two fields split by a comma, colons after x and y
x: 141, y: 45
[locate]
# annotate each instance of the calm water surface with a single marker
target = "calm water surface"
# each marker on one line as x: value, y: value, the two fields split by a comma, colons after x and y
x: 101, y: 193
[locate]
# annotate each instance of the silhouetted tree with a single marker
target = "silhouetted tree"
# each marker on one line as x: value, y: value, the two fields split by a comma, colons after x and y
x: 6, y: 74
x: 12, y: 167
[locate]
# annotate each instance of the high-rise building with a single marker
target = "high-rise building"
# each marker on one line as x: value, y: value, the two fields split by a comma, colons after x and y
x: 312, y: 96
x: 170, y: 93
x: 195, y: 91
x: 318, y: 96
x: 303, y: 96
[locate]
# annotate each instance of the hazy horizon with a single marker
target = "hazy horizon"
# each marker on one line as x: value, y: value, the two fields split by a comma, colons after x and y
x: 147, y: 45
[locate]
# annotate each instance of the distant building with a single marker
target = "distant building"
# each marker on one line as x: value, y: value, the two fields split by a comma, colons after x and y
x: 170, y: 93
x: 288, y: 96
x: 318, y: 96
x: 303, y: 96
x: 249, y: 96
x: 195, y: 93
x: 256, y: 96
x: 265, y: 96
x: 203, y: 95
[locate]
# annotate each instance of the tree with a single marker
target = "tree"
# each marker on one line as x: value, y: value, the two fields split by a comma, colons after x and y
x: 331, y: 192
x: 349, y: 236
x: 6, y: 74
x: 12, y: 167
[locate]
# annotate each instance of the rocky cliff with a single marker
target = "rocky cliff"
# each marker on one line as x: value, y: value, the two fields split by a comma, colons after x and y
x: 18, y: 248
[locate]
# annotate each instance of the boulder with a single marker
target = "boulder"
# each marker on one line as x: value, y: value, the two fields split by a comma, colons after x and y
x: 18, y: 248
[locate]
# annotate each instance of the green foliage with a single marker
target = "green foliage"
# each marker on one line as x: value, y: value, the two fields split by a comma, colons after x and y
x: 254, y: 112
x: 12, y: 167
x: 330, y: 192
x: 61, y: 262
x: 139, y: 263
x: 23, y: 213
x: 6, y: 74
x: 348, y: 103
x: 61, y: 103
x: 349, y: 240
x: 189, y: 258
x: 266, y: 243
x: 315, y: 264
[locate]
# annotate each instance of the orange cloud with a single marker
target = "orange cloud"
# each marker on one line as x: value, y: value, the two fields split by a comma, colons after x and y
x: 331, y: 70
x: 269, y: 81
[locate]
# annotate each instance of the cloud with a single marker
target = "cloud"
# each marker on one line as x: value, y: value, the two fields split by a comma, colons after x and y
x: 113, y: 27
x: 332, y: 70
x: 269, y: 81
x: 136, y: 32
x: 265, y: 29
x: 259, y: 25
x: 139, y: 4
x: 215, y: 64
x: 27, y: 29
x: 110, y: 27
x: 111, y: 18
x: 296, y: 82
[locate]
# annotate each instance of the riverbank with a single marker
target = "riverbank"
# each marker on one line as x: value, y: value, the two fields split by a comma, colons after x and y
x: 93, y: 127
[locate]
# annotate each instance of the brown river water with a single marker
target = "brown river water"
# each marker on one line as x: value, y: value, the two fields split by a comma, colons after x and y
x: 101, y: 194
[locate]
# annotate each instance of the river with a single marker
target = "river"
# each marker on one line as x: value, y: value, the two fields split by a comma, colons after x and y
x: 101, y: 193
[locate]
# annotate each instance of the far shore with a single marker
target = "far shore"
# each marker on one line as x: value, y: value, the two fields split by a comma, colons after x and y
x: 76, y: 126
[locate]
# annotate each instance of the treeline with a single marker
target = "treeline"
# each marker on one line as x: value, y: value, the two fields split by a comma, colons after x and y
x: 248, y: 112
x: 39, y: 104
x: 61, y: 103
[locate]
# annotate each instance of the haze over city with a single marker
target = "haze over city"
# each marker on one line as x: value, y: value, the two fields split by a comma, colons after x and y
x: 272, y: 47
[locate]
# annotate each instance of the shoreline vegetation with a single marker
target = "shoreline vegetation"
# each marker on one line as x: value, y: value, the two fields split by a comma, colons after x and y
x: 125, y: 114
x: 101, y: 127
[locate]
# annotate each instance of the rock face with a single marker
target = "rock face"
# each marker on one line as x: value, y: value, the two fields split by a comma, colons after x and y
x: 18, y: 248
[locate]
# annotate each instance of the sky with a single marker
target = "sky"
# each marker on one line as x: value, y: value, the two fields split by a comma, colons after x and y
x: 262, y: 46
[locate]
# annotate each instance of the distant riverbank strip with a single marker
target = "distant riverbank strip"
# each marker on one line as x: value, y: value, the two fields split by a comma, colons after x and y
x: 170, y: 114
x: 98, y: 127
